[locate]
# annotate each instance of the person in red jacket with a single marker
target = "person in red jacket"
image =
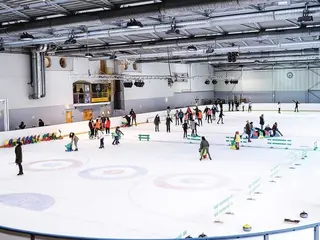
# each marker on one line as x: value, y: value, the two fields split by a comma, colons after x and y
x: 108, y: 124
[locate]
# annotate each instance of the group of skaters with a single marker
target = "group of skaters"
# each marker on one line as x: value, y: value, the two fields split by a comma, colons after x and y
x: 190, y: 119
x: 99, y: 128
x: 236, y: 105
x: 251, y: 131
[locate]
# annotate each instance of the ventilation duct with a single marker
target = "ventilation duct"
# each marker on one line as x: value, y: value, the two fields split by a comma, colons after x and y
x: 169, y: 8
x: 38, y: 77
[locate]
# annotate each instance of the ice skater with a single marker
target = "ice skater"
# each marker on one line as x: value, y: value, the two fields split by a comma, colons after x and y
x: 101, y: 138
x: 220, y: 117
x: 279, y: 107
x: 193, y: 126
x: 18, y: 152
x: 74, y: 140
x: 156, y: 122
x: 296, y: 108
x: 200, y: 116
x: 185, y: 129
x: 204, y: 148
x: 261, y: 121
x: 117, y: 135
x: 250, y: 107
x: 168, y: 123
x: 237, y: 140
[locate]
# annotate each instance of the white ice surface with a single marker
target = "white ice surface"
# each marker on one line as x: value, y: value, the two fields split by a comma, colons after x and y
x: 138, y: 208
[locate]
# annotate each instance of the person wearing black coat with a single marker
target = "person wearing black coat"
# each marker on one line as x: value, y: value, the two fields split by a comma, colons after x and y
x: 220, y: 117
x: 168, y: 122
x: 185, y: 129
x: 18, y: 152
x: 248, y: 130
x: 205, y: 112
x: 296, y: 109
x: 91, y: 127
x: 41, y: 123
x: 261, y: 121
x: 156, y: 122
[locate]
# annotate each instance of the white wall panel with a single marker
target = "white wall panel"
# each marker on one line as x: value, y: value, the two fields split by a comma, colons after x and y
x: 256, y: 81
x: 15, y: 76
x: 314, y: 79
x: 276, y: 80
x: 298, y: 81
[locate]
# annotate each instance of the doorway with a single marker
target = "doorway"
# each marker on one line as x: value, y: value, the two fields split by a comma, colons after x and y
x: 69, y: 116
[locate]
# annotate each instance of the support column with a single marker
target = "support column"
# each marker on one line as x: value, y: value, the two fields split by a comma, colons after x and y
x: 316, y: 233
x: 6, y: 114
x: 266, y: 237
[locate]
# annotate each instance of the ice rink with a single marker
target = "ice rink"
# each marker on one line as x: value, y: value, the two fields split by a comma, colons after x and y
x: 159, y: 189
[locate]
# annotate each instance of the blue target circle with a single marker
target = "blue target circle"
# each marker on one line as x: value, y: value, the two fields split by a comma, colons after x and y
x: 113, y: 172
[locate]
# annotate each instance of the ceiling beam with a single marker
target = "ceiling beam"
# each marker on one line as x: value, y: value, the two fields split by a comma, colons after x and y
x: 14, y: 11
x: 57, y: 6
x: 108, y: 3
x: 293, y: 23
x: 247, y: 26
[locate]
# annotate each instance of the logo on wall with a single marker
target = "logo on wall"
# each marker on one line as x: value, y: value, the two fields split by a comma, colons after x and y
x: 289, y: 75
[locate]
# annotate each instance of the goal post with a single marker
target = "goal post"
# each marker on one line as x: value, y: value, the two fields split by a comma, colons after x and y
x: 4, y: 115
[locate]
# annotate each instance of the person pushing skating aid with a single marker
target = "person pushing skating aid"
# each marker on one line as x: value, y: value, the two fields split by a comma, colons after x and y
x: 204, y: 148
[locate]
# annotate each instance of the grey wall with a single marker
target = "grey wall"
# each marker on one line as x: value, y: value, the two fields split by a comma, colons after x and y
x: 50, y: 115
x: 156, y: 104
x: 270, y: 97
x: 1, y: 121
x: 56, y: 114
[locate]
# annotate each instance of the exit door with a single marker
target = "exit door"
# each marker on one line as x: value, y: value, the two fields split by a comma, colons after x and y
x: 69, y: 116
x: 87, y: 114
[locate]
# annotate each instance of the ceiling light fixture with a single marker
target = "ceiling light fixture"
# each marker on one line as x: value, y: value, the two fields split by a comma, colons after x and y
x: 88, y: 55
x: 26, y: 37
x: 192, y: 48
x: 71, y: 39
x: 134, y: 24
x: 128, y: 84
x: 305, y: 15
x: 209, y: 50
x: 139, y: 83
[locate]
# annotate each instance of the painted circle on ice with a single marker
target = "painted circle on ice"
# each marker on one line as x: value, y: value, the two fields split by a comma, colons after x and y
x: 114, y: 172
x: 53, y: 165
x: 191, y: 181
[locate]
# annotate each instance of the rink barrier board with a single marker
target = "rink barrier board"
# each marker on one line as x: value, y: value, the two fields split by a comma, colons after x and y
x: 230, y: 139
x: 14, y: 234
x: 82, y: 127
x: 279, y: 142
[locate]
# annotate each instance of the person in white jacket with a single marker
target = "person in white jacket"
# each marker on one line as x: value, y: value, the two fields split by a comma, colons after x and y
x: 101, y: 137
x: 279, y: 107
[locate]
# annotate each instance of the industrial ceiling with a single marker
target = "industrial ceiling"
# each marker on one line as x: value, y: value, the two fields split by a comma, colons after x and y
x: 255, y: 32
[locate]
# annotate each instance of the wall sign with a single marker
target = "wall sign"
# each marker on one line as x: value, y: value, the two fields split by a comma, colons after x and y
x: 289, y: 75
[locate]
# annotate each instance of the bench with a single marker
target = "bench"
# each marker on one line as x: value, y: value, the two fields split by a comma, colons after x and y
x: 193, y: 138
x: 229, y: 140
x: 144, y: 137
x: 279, y: 142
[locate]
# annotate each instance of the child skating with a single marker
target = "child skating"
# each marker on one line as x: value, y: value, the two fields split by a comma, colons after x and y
x: 204, y: 148
x: 117, y: 135
x: 237, y: 140
x: 74, y: 141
